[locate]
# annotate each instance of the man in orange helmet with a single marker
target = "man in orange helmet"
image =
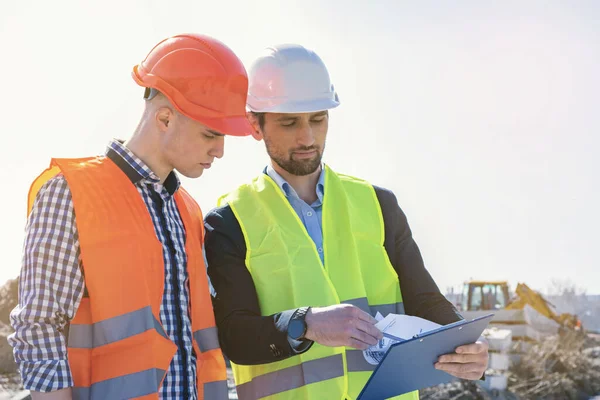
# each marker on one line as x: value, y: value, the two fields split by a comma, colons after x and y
x: 114, y: 301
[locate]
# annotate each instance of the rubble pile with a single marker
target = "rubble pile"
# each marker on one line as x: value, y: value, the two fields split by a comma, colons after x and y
x: 8, y: 301
x: 458, y: 390
x: 561, y: 367
x: 464, y: 390
x: 10, y: 382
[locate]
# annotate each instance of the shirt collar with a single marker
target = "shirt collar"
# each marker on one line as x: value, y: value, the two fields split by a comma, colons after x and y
x: 289, y: 191
x: 136, y: 170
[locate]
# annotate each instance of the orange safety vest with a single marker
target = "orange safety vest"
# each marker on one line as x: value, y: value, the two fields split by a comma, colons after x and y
x: 117, y: 346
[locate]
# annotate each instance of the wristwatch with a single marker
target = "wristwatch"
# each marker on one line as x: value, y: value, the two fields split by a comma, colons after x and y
x: 297, y: 326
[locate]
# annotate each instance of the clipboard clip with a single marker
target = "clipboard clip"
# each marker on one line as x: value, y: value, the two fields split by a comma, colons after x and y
x: 418, y: 334
x: 396, y: 338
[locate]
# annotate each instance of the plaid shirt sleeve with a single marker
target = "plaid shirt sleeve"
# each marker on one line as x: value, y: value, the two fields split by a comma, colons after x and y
x: 50, y: 289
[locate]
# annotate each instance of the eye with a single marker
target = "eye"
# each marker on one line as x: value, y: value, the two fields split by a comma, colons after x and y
x: 318, y: 120
x: 288, y: 124
x: 209, y: 136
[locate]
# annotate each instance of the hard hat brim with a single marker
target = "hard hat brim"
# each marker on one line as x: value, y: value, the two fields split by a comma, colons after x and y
x: 306, y: 106
x: 232, y: 126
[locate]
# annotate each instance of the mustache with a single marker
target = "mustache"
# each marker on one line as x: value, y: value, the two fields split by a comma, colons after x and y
x: 305, y: 148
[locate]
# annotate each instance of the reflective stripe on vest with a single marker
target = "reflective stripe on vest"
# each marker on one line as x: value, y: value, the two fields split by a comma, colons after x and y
x: 207, y: 339
x: 123, y: 387
x: 117, y: 347
x: 357, y: 271
x: 87, y: 336
x: 141, y: 384
x: 286, y: 379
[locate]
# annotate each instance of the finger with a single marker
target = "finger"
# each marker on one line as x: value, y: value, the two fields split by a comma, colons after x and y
x: 462, y: 358
x: 357, y: 344
x: 363, y: 316
x: 455, y: 368
x: 474, y: 348
x: 369, y: 329
x: 471, y: 376
x: 363, y: 337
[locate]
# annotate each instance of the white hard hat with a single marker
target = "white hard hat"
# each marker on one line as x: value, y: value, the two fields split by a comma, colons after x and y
x: 289, y: 78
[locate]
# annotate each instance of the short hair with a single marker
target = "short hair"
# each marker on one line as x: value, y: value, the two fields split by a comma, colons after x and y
x: 261, y: 118
x: 150, y: 93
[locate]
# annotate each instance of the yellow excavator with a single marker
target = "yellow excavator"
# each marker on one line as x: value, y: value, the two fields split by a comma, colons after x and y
x: 495, y: 295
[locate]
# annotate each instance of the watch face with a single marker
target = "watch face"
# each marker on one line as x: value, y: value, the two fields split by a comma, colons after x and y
x: 296, y: 329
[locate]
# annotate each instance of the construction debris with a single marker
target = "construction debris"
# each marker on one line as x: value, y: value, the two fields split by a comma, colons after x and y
x: 560, y: 367
x: 565, y: 366
x: 8, y: 301
x: 458, y: 390
x: 10, y: 385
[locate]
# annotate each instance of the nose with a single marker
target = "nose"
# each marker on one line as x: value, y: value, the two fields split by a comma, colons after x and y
x: 218, y: 149
x: 304, y: 135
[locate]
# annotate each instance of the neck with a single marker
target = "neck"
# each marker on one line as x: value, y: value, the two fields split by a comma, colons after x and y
x: 144, y: 144
x: 305, y: 186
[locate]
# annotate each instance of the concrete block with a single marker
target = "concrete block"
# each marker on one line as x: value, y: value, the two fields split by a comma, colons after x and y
x: 498, y: 339
x: 499, y: 361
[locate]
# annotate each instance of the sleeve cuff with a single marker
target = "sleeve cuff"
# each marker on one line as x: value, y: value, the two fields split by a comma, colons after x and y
x: 300, y: 346
x: 46, y: 376
x: 296, y: 346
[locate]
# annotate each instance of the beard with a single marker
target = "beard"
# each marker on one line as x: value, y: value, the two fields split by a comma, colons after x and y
x: 296, y: 167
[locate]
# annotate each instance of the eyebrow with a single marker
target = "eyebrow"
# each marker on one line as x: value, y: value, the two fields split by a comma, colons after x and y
x: 285, y: 117
x: 215, y: 132
x: 288, y: 117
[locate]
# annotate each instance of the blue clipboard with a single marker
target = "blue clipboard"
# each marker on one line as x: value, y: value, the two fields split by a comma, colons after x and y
x: 408, y: 365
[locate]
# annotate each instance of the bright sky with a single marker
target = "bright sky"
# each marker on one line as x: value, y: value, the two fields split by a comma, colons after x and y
x: 482, y: 117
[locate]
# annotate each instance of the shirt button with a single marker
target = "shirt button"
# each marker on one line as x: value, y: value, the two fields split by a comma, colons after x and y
x: 309, y: 214
x: 320, y: 249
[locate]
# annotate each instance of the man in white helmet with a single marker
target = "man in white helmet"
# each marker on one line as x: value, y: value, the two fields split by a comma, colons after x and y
x: 302, y: 258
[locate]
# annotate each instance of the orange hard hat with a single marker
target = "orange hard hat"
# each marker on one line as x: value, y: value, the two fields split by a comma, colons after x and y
x: 202, y: 78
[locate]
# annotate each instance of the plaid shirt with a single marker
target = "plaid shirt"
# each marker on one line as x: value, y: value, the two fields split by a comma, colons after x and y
x: 52, y: 284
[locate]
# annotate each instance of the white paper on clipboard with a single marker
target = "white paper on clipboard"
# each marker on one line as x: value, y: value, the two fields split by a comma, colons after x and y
x: 400, y: 326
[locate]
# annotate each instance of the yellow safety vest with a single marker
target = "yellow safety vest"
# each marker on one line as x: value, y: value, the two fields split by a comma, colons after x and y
x: 288, y: 273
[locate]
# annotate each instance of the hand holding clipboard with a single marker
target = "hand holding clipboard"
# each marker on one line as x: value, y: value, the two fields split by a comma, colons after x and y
x: 409, y: 364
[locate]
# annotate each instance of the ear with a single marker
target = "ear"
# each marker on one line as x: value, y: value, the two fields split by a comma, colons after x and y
x: 163, y: 117
x: 256, y: 131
